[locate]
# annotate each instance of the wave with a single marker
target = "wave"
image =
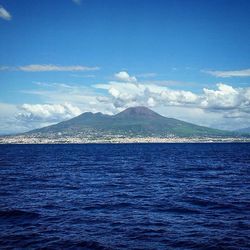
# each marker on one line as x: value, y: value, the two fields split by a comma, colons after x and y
x: 15, y: 213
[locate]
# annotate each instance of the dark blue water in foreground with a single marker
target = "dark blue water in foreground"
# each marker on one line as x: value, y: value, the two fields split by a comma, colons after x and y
x: 139, y: 196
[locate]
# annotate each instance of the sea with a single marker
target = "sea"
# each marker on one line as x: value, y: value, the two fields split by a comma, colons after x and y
x: 125, y: 196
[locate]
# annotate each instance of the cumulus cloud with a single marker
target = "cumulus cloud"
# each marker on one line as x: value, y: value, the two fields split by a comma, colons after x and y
x: 47, y: 112
x: 4, y: 14
x: 224, y: 107
x: 48, y: 67
x: 230, y: 73
x: 226, y: 97
x: 17, y: 119
x: 123, y: 76
x: 230, y: 102
x: 134, y: 94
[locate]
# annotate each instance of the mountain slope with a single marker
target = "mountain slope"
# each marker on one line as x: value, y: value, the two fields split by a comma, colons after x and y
x: 132, y: 122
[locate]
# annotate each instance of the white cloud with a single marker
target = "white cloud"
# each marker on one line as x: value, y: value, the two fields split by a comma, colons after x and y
x: 151, y: 102
x: 8, y: 122
x: 78, y: 2
x: 123, y: 76
x: 48, y: 112
x: 4, y: 14
x: 17, y: 119
x: 48, y: 67
x: 230, y: 73
x: 226, y: 97
x: 129, y: 94
x: 220, y: 107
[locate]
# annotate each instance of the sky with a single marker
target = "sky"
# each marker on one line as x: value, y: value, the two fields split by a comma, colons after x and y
x: 184, y: 59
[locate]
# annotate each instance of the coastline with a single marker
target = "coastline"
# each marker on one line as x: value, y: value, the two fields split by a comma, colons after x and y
x: 114, y: 140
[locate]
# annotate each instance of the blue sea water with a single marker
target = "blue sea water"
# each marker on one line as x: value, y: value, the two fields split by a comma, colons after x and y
x: 130, y: 196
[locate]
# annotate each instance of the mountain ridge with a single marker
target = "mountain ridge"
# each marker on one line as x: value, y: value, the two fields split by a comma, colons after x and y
x: 140, y: 111
x: 132, y: 122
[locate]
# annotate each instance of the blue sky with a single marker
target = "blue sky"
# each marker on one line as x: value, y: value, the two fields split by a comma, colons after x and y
x: 185, y: 59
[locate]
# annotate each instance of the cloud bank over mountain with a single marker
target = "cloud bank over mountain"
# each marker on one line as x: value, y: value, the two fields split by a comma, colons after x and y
x: 223, y: 107
x: 223, y: 99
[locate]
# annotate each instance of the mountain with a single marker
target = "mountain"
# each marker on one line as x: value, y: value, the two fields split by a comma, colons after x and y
x: 132, y: 122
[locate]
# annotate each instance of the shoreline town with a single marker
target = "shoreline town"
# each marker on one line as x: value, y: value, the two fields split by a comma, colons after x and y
x: 20, y: 139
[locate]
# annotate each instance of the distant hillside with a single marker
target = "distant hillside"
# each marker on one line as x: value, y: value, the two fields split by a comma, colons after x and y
x: 132, y: 122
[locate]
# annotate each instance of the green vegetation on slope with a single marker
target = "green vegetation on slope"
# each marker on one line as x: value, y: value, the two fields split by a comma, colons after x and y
x: 132, y: 122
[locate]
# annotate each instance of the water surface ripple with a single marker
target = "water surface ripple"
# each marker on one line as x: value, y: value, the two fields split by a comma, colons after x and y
x: 131, y: 196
